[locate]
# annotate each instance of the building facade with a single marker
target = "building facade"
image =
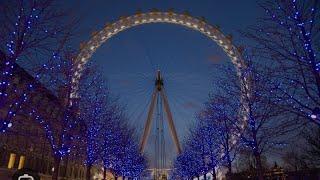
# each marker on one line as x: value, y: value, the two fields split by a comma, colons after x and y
x: 25, y: 144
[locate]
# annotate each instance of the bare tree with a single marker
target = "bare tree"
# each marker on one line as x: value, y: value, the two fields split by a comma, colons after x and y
x: 246, y: 162
x: 293, y: 160
x: 299, y: 157
x: 312, y: 150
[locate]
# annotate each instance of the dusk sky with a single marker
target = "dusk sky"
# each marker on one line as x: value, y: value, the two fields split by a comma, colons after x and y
x: 130, y: 59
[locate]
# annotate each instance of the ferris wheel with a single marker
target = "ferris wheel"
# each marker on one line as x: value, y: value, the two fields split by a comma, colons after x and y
x: 158, y: 98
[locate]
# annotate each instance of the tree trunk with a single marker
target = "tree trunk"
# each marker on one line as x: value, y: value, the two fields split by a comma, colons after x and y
x: 56, y: 167
x: 227, y: 151
x: 88, y: 173
x: 255, y: 149
x: 104, y: 173
x: 66, y: 167
x: 259, y: 165
x: 229, y: 164
x: 214, y: 176
x: 3, y: 60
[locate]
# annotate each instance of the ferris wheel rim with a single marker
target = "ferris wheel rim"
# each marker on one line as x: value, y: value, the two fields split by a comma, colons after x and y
x: 212, y: 32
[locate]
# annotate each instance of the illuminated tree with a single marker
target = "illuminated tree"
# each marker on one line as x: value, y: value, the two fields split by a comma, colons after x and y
x: 120, y: 152
x: 133, y: 162
x: 186, y: 165
x: 31, y: 31
x: 218, y: 114
x: 200, y: 154
x: 94, y: 101
x: 110, y: 135
x: 266, y: 124
x: 56, y: 75
x: 287, y: 38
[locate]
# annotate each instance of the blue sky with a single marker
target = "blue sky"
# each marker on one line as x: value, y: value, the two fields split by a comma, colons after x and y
x: 129, y: 60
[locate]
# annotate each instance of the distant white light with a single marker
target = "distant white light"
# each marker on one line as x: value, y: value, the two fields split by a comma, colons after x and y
x: 313, y: 116
x: 9, y: 125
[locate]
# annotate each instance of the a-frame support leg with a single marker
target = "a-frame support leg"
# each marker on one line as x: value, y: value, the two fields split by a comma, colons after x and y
x: 170, y: 121
x: 147, y: 126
